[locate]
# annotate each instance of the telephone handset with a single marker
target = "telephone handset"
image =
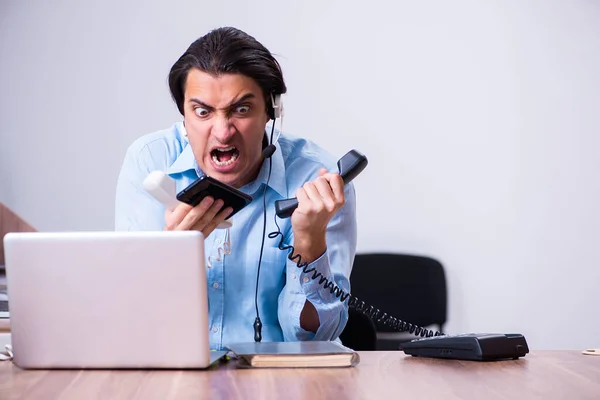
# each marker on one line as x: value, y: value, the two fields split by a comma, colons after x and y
x: 349, y: 167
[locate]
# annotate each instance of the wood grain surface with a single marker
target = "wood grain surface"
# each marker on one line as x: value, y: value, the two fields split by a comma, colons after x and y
x: 380, y: 375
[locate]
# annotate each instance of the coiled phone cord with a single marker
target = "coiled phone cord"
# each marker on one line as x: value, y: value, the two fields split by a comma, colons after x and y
x: 353, y: 302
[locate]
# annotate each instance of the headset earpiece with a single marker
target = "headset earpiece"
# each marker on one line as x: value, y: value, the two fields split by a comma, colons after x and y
x: 276, y: 106
x: 276, y: 111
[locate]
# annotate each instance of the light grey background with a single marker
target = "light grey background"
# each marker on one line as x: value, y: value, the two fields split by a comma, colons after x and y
x: 480, y: 120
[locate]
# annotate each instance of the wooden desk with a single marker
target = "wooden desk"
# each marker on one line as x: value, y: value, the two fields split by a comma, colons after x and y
x: 380, y: 375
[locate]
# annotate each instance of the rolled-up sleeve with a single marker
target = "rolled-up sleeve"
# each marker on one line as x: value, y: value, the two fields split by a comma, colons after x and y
x: 333, y: 267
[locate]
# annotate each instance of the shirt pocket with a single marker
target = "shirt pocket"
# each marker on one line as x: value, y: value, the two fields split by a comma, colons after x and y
x: 272, y: 271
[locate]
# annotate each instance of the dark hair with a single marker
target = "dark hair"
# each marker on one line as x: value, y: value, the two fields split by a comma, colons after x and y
x: 228, y: 50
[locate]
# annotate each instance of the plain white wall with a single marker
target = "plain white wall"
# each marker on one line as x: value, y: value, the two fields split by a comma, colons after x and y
x: 480, y: 121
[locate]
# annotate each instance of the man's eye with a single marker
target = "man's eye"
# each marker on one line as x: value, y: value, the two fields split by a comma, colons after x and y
x: 201, y: 112
x: 242, y: 109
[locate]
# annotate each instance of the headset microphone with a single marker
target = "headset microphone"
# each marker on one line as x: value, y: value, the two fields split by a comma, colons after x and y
x: 268, y: 151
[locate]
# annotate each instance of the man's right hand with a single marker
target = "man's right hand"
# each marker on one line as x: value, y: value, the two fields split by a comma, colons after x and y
x: 205, y: 217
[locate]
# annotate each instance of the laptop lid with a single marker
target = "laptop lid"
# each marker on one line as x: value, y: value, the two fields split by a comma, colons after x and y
x: 108, y: 299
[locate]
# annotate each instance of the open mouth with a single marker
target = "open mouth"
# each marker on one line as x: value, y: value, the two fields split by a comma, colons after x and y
x: 224, y: 156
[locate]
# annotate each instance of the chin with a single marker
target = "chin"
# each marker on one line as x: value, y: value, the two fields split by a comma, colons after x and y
x: 229, y: 179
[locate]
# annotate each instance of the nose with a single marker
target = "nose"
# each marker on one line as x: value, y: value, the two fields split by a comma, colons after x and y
x: 223, y: 129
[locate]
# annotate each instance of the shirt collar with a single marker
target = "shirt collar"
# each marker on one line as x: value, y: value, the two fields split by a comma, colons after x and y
x: 187, y: 161
x: 184, y: 162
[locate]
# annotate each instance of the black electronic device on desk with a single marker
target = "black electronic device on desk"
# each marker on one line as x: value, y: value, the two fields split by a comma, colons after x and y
x: 470, y: 346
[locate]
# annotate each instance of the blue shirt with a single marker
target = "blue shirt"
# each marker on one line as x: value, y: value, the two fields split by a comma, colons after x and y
x: 283, y: 287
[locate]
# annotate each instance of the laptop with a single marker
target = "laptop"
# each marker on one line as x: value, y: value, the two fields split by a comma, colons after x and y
x: 108, y: 300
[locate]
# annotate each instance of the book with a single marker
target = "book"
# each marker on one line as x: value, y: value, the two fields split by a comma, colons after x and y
x: 309, y: 354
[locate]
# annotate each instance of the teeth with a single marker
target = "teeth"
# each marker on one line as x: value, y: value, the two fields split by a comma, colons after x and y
x: 226, y: 149
x: 224, y: 163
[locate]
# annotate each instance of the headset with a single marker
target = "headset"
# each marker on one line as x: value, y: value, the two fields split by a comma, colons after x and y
x: 275, y: 112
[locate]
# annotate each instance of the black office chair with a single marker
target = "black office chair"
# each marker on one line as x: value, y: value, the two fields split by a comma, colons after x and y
x: 411, y: 288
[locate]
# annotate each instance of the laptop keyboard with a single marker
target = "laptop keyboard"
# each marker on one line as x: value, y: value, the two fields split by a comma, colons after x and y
x: 3, y: 306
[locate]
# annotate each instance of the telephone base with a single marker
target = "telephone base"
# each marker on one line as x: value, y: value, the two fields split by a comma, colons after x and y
x: 470, y: 346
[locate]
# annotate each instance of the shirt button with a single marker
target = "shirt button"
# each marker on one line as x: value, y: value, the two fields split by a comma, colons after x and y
x: 216, y: 285
x: 306, y: 279
x: 219, y: 241
x: 215, y: 329
x: 293, y: 276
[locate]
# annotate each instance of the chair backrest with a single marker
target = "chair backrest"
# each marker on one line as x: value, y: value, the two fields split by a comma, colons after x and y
x: 360, y: 332
x: 411, y: 288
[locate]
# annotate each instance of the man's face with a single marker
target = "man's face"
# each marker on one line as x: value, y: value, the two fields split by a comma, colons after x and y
x: 225, y: 120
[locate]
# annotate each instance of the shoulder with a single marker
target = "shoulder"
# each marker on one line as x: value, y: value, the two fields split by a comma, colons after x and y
x: 303, y: 159
x: 158, y: 149
x: 301, y: 154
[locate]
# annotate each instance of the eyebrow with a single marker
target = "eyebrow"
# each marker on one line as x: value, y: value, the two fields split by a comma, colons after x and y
x: 233, y: 104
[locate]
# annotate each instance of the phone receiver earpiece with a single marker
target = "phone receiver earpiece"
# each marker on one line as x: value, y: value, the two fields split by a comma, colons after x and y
x: 349, y: 166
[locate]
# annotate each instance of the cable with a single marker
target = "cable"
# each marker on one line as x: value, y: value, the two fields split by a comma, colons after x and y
x: 257, y: 321
x: 354, y: 302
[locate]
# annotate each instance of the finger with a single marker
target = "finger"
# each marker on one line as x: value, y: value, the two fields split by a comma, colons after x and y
x: 322, y: 171
x: 208, y: 215
x: 336, y: 183
x: 314, y: 196
x: 326, y: 193
x: 212, y: 212
x: 304, y: 203
x: 174, y: 218
x: 220, y: 217
x: 192, y: 217
x: 223, y: 214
